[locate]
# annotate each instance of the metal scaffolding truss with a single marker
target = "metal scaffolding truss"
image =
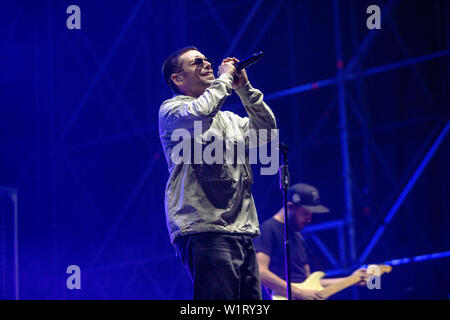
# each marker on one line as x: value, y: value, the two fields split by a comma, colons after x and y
x: 344, y: 74
x: 348, y: 259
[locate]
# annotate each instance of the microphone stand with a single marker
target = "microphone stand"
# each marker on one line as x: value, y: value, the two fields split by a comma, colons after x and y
x: 284, y: 186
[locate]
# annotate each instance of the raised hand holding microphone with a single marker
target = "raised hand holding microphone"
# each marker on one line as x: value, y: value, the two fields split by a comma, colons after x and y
x: 229, y: 66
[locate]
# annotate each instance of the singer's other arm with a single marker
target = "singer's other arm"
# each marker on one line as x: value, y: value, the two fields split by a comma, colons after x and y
x: 260, y: 116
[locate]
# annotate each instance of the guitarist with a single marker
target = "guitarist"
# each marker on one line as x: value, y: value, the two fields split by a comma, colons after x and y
x: 303, y: 201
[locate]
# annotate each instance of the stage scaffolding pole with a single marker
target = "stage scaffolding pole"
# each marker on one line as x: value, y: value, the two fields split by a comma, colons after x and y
x: 345, y: 153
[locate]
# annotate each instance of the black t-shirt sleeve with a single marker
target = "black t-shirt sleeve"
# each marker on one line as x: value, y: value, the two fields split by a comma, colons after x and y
x: 263, y: 243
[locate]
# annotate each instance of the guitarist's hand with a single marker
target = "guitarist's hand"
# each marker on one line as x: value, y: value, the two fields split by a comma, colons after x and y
x: 363, y: 275
x: 307, y: 294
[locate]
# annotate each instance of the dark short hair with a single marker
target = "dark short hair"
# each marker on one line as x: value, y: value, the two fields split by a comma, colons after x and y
x: 171, y: 66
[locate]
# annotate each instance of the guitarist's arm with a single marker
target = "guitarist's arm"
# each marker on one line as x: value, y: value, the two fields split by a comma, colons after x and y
x: 360, y: 273
x: 323, y: 282
x: 329, y: 281
x: 275, y: 283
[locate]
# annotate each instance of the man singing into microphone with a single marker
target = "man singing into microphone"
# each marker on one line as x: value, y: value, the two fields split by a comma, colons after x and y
x: 210, y: 212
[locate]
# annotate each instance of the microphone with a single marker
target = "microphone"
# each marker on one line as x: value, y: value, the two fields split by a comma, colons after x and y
x: 249, y: 61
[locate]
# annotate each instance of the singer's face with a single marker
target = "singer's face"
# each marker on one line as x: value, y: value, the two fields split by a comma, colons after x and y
x: 197, y: 73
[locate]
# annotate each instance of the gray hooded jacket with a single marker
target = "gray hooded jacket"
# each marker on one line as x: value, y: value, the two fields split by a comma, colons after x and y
x: 214, y: 197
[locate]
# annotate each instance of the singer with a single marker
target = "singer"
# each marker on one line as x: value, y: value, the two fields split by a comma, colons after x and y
x: 210, y: 211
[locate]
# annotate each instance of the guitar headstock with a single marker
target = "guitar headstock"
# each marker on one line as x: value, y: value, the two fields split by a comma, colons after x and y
x: 378, y: 269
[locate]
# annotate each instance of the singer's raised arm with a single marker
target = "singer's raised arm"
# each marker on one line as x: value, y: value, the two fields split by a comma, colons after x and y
x: 260, y: 116
x: 181, y: 111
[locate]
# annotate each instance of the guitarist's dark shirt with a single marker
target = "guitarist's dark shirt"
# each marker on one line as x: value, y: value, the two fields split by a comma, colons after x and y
x: 271, y: 242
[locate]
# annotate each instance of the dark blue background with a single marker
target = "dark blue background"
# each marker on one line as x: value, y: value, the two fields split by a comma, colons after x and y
x: 79, y: 132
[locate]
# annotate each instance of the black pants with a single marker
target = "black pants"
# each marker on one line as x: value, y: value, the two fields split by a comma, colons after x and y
x: 221, y: 266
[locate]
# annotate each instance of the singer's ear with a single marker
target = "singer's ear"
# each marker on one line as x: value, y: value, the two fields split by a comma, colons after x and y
x: 176, y: 79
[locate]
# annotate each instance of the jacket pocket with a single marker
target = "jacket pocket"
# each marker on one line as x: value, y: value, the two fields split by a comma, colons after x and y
x: 217, y: 183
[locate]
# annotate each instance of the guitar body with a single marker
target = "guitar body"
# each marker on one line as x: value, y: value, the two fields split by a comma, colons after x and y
x: 311, y: 283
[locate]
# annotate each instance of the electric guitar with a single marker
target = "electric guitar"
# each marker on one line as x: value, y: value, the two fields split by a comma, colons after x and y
x: 313, y: 282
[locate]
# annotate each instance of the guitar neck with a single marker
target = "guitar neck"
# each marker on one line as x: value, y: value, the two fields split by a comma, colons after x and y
x: 339, y: 286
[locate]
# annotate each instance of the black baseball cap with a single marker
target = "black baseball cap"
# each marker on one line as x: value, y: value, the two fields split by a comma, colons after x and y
x: 307, y: 196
